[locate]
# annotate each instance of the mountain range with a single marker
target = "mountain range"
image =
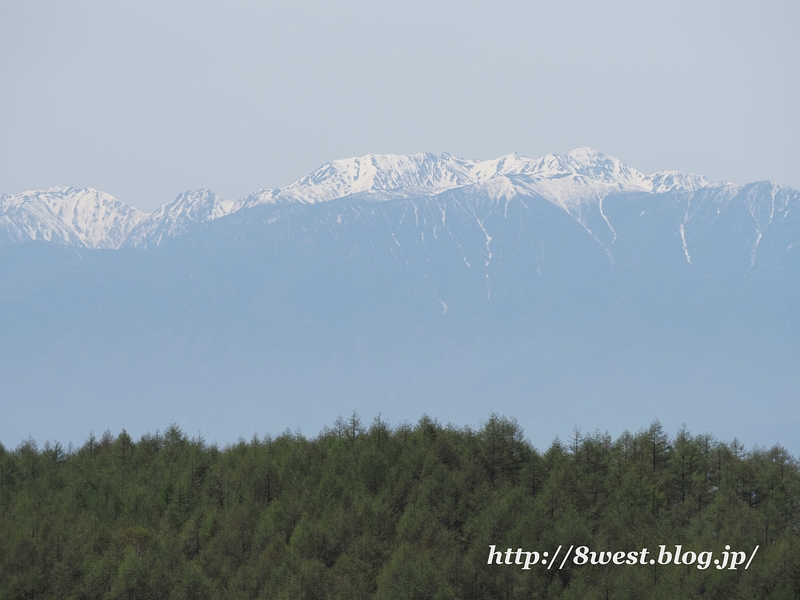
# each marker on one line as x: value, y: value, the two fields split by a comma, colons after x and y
x: 92, y: 219
x: 568, y: 290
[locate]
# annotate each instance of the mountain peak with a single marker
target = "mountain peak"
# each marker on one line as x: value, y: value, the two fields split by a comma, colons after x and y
x: 176, y: 217
x: 666, y: 181
x: 74, y: 216
x: 90, y: 218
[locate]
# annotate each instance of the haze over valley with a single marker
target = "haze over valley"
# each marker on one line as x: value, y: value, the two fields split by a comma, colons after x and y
x: 568, y: 290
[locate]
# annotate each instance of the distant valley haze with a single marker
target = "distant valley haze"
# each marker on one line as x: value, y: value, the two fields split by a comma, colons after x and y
x: 568, y: 290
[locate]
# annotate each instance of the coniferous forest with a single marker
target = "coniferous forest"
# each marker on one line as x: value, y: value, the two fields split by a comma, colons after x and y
x: 410, y: 511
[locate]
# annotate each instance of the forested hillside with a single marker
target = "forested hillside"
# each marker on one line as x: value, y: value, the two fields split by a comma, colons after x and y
x: 392, y: 512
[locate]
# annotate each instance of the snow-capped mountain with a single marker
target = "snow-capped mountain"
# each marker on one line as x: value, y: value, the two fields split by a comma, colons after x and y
x: 571, y: 180
x: 177, y: 217
x: 583, y: 173
x: 568, y: 289
x: 67, y: 215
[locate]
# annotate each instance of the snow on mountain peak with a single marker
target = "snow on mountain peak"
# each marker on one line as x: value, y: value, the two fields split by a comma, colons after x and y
x: 375, y: 172
x: 594, y: 165
x: 93, y: 219
x: 592, y: 172
x: 666, y: 181
x: 75, y: 216
x: 176, y: 217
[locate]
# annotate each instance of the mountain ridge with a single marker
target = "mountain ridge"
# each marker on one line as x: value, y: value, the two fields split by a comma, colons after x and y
x: 93, y: 219
x: 568, y: 290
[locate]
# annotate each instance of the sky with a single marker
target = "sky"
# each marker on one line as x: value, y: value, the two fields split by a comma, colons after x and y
x: 145, y: 99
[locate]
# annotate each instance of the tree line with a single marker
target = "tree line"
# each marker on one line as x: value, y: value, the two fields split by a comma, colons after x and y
x: 392, y: 512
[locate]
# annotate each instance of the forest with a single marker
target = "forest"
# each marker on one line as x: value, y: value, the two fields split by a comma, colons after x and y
x: 402, y: 512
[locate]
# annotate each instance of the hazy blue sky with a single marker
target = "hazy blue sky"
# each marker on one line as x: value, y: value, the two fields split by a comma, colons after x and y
x: 147, y: 99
